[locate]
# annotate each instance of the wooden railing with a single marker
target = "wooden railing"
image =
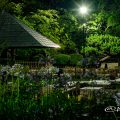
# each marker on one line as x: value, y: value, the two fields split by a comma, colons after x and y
x: 31, y: 64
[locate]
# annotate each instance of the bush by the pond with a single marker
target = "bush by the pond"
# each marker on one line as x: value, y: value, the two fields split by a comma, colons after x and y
x: 67, y: 60
x: 62, y: 59
x: 75, y: 59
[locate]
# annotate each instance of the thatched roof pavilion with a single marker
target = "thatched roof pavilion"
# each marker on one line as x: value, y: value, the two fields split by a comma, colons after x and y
x: 15, y: 34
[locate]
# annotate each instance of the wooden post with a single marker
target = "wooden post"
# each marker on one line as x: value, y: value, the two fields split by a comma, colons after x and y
x: 75, y: 71
x: 118, y: 62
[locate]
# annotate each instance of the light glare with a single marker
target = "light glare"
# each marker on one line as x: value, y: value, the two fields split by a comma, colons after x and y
x: 83, y: 10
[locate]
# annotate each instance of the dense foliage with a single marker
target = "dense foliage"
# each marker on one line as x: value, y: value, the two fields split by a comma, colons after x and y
x: 63, y: 25
x: 103, y: 44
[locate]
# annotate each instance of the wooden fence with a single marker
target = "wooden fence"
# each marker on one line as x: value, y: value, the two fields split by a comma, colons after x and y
x: 36, y: 64
x: 31, y: 64
x: 74, y: 71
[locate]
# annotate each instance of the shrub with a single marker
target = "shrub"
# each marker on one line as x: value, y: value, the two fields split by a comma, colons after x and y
x: 74, y: 59
x: 62, y: 59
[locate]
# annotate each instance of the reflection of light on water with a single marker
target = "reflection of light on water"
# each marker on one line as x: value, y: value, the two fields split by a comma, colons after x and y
x: 68, y: 96
x: 79, y: 97
x: 85, y: 114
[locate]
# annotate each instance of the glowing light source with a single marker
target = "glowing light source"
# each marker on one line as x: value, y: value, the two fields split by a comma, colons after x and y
x: 83, y: 10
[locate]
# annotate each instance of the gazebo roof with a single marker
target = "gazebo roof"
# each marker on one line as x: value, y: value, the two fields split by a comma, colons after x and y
x: 15, y: 34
